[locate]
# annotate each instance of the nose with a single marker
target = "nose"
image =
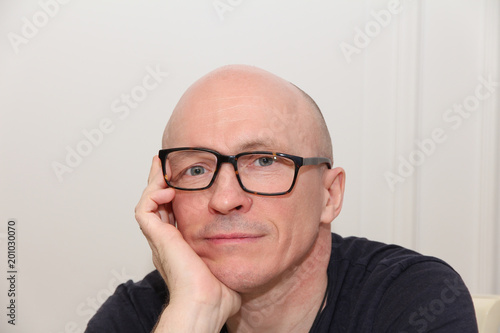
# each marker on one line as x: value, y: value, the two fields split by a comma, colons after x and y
x: 227, y: 195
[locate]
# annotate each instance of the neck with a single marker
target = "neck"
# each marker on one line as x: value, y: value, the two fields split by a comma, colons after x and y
x: 292, y: 303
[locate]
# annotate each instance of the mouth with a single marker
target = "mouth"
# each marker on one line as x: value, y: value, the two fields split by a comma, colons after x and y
x: 234, y: 238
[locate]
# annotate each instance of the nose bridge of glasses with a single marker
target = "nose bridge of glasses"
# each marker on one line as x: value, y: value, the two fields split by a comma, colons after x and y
x: 231, y: 159
x: 227, y: 177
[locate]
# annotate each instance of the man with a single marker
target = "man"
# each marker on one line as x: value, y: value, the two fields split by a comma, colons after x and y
x: 237, y: 213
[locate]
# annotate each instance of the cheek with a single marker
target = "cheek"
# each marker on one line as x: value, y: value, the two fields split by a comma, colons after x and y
x: 188, y: 209
x: 296, y: 219
x: 306, y: 210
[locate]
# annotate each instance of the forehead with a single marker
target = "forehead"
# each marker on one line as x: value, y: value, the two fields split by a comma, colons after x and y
x: 232, y: 124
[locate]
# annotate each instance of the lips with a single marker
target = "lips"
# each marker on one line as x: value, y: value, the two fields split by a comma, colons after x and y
x: 233, y: 238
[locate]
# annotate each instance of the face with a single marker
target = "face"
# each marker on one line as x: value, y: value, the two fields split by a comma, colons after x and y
x: 248, y: 241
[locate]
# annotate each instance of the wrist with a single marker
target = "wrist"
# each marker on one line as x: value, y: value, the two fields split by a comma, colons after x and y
x: 179, y: 318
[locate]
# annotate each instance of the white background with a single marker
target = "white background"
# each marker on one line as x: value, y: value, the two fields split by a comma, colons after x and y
x: 76, y: 233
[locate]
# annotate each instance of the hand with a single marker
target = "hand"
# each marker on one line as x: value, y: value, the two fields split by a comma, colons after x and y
x: 195, y: 293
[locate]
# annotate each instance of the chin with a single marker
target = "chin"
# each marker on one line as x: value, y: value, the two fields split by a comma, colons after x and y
x: 240, y: 279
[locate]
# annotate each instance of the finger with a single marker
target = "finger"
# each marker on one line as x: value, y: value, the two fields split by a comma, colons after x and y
x: 156, y: 180
x: 166, y: 213
x: 152, y: 201
x: 151, y: 209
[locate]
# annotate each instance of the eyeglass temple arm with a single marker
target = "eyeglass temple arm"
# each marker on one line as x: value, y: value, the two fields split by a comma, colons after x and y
x: 317, y: 161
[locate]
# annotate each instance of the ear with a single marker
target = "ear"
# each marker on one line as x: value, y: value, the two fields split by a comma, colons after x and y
x: 334, y: 185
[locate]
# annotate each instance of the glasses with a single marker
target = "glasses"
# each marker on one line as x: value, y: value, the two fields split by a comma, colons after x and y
x: 259, y: 172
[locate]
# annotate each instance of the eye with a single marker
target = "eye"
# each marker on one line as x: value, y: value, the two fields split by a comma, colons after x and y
x: 195, y: 171
x: 264, y: 161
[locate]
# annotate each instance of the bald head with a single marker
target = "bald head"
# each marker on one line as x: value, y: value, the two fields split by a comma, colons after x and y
x: 243, y: 96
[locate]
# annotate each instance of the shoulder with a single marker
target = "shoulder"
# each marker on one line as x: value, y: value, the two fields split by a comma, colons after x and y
x: 371, y: 254
x: 396, y: 289
x: 134, y: 307
x: 375, y: 261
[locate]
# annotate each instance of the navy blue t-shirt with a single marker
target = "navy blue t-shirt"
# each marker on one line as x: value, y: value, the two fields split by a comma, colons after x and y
x: 372, y: 287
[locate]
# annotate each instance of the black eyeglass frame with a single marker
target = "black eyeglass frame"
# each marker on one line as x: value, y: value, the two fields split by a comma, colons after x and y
x: 233, y: 160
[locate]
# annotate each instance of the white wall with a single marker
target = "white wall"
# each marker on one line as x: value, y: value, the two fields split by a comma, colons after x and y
x: 76, y: 234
